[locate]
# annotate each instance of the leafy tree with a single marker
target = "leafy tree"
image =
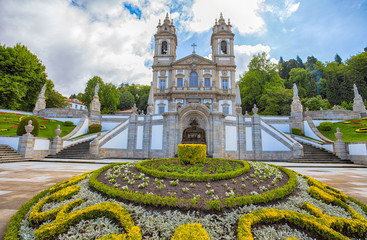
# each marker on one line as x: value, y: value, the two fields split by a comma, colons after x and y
x: 126, y: 100
x: 139, y: 92
x: 109, y: 98
x: 314, y: 103
x: 338, y: 59
x: 348, y: 106
x: 287, y: 66
x: 73, y: 96
x: 88, y: 94
x: 261, y: 77
x: 277, y: 101
x: 305, y: 82
x: 56, y: 100
x: 300, y: 63
x: 22, y: 75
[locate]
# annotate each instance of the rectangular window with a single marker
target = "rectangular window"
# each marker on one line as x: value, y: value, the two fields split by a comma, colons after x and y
x: 207, y: 82
x: 225, y: 84
x: 161, y: 110
x: 163, y: 84
x: 225, y: 109
x: 76, y: 106
x: 179, y: 82
x: 81, y: 107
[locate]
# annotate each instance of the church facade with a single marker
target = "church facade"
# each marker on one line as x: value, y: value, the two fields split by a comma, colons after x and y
x: 196, y: 100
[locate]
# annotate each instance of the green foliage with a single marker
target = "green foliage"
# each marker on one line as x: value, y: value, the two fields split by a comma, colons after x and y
x: 126, y: 100
x: 190, y: 231
x: 315, y: 103
x: 22, y: 75
x: 305, y: 82
x: 88, y: 94
x: 347, y: 106
x: 68, y: 123
x: 93, y: 128
x: 191, y: 153
x: 326, y: 126
x: 261, y: 77
x: 24, y: 122
x: 109, y: 98
x: 296, y: 131
x: 348, y: 130
x: 277, y: 101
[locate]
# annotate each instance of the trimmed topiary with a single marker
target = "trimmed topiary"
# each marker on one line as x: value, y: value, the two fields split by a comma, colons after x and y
x: 68, y: 124
x: 326, y: 126
x: 296, y: 131
x: 24, y: 122
x: 190, y: 231
x: 94, y: 128
x: 191, y: 153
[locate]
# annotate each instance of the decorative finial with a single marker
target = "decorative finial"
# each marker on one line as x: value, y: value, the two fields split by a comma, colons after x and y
x: 166, y: 15
x: 58, y: 131
x: 216, y: 21
x: 221, y: 15
x: 229, y: 21
x: 159, y: 22
x: 338, y: 134
x: 29, y: 128
x: 255, y: 109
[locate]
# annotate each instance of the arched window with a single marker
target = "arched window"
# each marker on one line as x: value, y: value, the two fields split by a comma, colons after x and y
x: 194, y: 79
x: 223, y: 47
x: 164, y: 49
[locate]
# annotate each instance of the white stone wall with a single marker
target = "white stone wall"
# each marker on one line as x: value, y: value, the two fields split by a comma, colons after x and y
x: 157, y: 137
x: 231, y: 138
x: 118, y: 142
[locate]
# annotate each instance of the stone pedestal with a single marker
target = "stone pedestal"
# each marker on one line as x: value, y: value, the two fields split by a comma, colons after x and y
x: 26, y: 145
x: 296, y: 113
x: 340, y: 148
x: 94, y: 147
x: 56, y: 145
x: 95, y: 111
x: 358, y: 105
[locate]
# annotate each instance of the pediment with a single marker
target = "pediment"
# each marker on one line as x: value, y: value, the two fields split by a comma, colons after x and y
x: 193, y: 59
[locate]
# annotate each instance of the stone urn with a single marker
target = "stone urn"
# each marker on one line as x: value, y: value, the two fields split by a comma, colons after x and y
x: 338, y: 134
x: 58, y: 131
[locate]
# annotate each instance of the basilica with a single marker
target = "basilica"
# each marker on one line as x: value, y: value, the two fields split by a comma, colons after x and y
x: 195, y: 100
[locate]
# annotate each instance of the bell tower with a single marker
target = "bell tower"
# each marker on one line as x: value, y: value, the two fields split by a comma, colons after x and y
x: 165, y: 43
x: 222, y: 42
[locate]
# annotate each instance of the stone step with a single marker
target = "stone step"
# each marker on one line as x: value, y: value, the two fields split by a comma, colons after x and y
x: 77, y: 151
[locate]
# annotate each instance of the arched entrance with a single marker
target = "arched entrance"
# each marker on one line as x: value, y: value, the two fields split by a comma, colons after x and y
x: 194, y: 134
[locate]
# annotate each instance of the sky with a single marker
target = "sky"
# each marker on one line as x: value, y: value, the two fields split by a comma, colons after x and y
x: 113, y: 39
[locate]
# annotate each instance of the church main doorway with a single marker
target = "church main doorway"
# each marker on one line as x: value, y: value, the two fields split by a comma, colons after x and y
x: 193, y: 134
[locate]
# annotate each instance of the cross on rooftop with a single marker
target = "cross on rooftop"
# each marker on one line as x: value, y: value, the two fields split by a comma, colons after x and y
x: 193, y: 47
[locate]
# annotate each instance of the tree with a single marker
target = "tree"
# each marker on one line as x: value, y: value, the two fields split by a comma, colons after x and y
x: 300, y: 63
x: 109, y: 98
x: 261, y: 77
x: 139, y: 92
x: 314, y: 103
x: 73, y: 96
x: 126, y: 100
x: 56, y: 100
x: 88, y: 94
x: 304, y: 81
x: 277, y: 101
x: 22, y: 75
x: 338, y: 59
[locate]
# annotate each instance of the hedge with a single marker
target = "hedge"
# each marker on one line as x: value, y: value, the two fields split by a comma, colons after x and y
x: 193, y: 177
x: 296, y: 131
x: 326, y: 126
x: 94, y: 128
x: 24, y: 122
x: 156, y: 200
x: 190, y: 231
x: 191, y: 153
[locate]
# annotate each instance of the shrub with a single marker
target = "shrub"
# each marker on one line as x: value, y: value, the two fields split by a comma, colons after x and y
x: 191, y: 153
x: 190, y: 231
x: 296, y: 131
x: 68, y: 124
x: 24, y: 122
x: 94, y: 128
x: 326, y: 126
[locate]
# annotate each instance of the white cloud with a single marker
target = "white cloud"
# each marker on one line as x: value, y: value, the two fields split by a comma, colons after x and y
x: 75, y: 43
x: 283, y: 9
x: 244, y: 54
x: 243, y: 14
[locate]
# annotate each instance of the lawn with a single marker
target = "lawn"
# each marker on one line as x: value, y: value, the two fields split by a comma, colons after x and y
x: 9, y: 123
x: 348, y: 129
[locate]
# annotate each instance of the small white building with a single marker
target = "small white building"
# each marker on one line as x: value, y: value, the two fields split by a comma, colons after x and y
x: 76, y: 104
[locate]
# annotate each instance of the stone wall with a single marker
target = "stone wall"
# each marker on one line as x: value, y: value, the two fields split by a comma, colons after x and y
x: 62, y: 113
x: 341, y: 115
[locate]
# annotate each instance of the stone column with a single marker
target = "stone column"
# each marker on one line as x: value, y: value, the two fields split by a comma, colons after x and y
x: 147, y: 135
x: 256, y: 131
x: 56, y: 142
x: 218, y: 134
x: 170, y: 133
x: 26, y: 142
x: 340, y: 148
x: 131, y: 135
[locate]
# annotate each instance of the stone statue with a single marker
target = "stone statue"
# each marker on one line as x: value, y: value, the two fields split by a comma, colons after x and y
x: 96, y: 89
x: 255, y: 109
x: 29, y: 128
x: 42, y: 93
x: 295, y: 90
x: 356, y: 93
x: 186, y: 83
x: 134, y: 109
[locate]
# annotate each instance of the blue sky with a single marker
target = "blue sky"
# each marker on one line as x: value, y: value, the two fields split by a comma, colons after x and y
x: 77, y: 39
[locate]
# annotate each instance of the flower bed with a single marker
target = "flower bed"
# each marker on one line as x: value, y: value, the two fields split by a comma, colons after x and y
x: 74, y: 210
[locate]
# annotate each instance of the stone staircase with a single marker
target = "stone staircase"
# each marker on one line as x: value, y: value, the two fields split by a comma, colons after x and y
x: 316, y: 155
x: 78, y: 151
x: 8, y: 154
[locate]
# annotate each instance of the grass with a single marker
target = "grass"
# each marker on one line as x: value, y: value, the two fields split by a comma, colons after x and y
x: 9, y: 123
x: 348, y: 130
